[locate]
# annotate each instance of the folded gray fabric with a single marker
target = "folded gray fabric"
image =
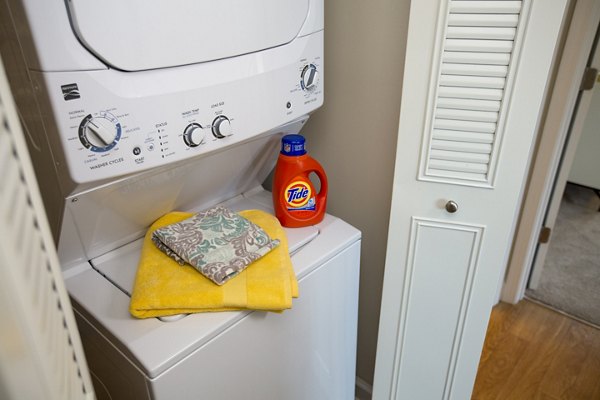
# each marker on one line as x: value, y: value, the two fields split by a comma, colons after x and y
x: 217, y: 242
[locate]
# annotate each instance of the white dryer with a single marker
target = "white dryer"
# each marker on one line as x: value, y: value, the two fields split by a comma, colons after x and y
x: 135, y: 109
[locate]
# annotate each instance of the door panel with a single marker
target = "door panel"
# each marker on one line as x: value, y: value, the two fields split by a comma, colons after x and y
x: 448, y: 272
x: 443, y: 268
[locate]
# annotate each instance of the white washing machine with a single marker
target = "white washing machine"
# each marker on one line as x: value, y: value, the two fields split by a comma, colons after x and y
x: 134, y: 109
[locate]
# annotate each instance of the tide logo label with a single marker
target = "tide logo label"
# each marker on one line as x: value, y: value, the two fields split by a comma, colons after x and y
x: 297, y: 194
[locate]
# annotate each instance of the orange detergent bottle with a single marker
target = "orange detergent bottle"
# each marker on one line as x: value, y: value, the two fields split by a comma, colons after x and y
x: 295, y: 200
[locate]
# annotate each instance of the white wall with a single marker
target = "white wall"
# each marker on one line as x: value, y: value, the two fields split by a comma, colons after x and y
x: 586, y: 165
x: 354, y: 136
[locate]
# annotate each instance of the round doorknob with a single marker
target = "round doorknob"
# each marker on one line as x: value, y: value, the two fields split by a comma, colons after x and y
x: 451, y: 206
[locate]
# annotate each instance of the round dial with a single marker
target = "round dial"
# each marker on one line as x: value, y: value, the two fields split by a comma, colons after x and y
x: 194, y: 135
x: 309, y: 78
x: 221, y: 127
x: 99, y: 133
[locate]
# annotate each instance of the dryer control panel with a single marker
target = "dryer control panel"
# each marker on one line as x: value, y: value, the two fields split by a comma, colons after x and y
x: 112, y: 123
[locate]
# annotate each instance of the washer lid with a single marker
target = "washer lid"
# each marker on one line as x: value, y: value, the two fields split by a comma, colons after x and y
x: 136, y: 35
x: 120, y: 265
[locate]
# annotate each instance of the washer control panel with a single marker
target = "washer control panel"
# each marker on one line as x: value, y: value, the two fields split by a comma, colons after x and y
x: 127, y: 122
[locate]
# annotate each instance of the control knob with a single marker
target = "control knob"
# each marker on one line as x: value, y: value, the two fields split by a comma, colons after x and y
x: 194, y: 135
x: 99, y: 133
x: 309, y: 78
x: 221, y: 127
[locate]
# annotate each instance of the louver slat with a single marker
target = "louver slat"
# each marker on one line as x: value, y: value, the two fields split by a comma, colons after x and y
x: 472, y: 81
x: 472, y: 32
x: 462, y: 156
x: 464, y: 176
x: 468, y: 126
x: 470, y: 93
x: 486, y: 7
x: 499, y: 71
x: 467, y: 147
x: 475, y: 63
x: 472, y: 137
x: 500, y: 20
x: 459, y: 166
x: 468, y: 104
x: 467, y: 115
x: 488, y: 46
x: 476, y: 58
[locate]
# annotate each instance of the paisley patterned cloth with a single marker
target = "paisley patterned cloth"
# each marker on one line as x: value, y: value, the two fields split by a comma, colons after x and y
x: 217, y: 242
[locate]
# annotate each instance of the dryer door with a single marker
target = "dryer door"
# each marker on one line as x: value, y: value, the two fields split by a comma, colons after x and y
x: 139, y: 34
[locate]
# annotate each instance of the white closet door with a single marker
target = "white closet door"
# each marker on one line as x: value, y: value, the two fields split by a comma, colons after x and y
x: 40, y: 350
x: 475, y: 78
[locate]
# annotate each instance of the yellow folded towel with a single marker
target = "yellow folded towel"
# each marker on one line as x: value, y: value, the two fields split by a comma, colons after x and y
x: 163, y: 287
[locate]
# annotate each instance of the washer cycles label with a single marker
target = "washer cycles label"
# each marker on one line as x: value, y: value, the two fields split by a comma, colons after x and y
x: 298, y: 196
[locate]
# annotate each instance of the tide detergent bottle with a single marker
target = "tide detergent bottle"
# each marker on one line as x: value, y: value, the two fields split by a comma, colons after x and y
x: 295, y: 200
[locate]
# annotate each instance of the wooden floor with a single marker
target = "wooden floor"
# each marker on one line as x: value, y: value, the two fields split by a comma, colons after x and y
x: 531, y: 352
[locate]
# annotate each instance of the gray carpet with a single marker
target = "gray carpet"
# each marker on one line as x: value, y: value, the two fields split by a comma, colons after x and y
x: 571, y: 277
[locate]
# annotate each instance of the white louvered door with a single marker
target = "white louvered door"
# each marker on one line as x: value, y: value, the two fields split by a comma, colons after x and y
x: 41, y: 356
x: 474, y: 83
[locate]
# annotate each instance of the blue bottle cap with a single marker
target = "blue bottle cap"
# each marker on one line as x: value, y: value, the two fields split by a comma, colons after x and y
x: 293, y: 145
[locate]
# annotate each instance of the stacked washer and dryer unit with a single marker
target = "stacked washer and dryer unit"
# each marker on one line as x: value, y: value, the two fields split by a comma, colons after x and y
x: 134, y: 109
